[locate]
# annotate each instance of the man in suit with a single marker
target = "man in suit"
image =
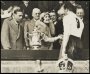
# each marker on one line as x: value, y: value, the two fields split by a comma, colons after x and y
x: 12, y: 37
x: 80, y: 12
x: 25, y: 6
x: 58, y: 29
x: 30, y: 24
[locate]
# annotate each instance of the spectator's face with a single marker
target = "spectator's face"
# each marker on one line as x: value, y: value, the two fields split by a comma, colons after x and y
x: 72, y: 2
x: 18, y: 16
x: 80, y: 13
x: 53, y: 16
x: 36, y: 14
x: 46, y: 19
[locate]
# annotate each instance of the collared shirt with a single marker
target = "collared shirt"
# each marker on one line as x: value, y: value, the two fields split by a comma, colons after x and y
x: 70, y: 25
x: 15, y: 20
x: 34, y: 20
x: 55, y: 23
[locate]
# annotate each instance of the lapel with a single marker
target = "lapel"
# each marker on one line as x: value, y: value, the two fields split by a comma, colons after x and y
x: 19, y: 31
x: 31, y: 25
x: 33, y: 22
x: 15, y: 28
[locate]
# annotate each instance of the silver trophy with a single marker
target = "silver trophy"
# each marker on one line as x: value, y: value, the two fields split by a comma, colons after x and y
x: 35, y: 39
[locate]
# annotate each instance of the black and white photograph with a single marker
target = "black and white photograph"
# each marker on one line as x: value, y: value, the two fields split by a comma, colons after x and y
x: 44, y: 36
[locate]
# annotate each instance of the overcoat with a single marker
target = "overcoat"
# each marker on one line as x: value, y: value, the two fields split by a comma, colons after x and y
x: 12, y: 35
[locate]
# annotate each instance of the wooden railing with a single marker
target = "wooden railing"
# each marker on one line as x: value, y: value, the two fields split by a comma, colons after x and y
x: 29, y: 54
x: 35, y: 54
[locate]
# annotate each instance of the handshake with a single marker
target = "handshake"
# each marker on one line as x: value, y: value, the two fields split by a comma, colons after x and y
x: 60, y: 36
x: 52, y: 39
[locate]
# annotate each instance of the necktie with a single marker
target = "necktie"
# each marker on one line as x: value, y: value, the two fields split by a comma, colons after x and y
x: 78, y: 23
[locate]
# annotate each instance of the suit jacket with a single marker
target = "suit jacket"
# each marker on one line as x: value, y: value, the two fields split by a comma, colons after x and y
x: 12, y: 35
x: 85, y: 34
x: 28, y: 27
